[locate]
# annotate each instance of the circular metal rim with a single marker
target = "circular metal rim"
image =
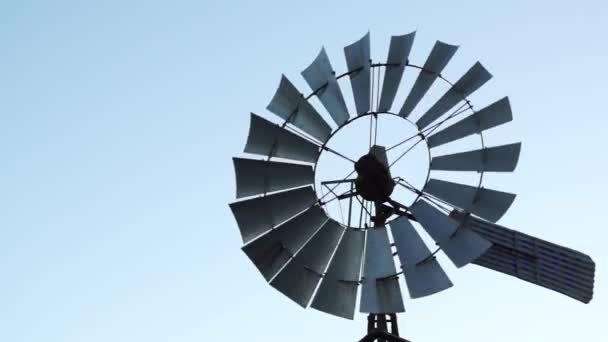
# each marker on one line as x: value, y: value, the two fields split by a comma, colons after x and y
x: 379, y: 65
x: 349, y: 121
x: 407, y: 64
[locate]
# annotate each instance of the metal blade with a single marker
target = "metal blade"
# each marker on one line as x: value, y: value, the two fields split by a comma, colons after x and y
x: 271, y: 251
x: 486, y: 203
x: 459, y: 243
x: 258, y: 215
x: 289, y: 104
x: 254, y: 177
x: 495, y: 159
x: 357, y: 58
x: 491, y: 116
x: 426, y: 279
x: 534, y: 260
x: 337, y: 293
x: 398, y: 53
x: 300, y: 277
x: 321, y: 78
x: 437, y: 60
x: 268, y: 139
x: 380, y: 291
x: 423, y: 274
x: 465, y: 86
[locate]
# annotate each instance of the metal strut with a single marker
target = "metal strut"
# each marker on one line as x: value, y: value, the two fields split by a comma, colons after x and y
x: 378, y: 328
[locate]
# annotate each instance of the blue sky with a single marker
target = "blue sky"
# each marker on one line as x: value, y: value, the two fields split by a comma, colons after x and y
x: 118, y: 121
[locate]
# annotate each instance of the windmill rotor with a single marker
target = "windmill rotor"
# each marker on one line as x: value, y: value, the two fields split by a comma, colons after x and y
x: 327, y: 258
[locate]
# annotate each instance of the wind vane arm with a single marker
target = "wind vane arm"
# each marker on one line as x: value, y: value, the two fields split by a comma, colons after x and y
x: 534, y: 260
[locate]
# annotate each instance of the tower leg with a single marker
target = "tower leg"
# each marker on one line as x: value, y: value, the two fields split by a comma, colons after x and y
x: 378, y: 329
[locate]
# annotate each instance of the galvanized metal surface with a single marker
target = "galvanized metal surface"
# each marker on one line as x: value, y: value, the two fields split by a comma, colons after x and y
x: 465, y: 246
x: 270, y: 252
x: 486, y: 203
x: 358, y: 60
x: 459, y: 243
x: 438, y: 58
x: 534, y: 260
x: 302, y: 274
x: 423, y: 274
x: 410, y: 247
x: 439, y: 226
x: 491, y: 116
x: 537, y: 261
x: 289, y: 104
x: 255, y: 177
x: 275, y: 208
x: 398, y: 54
x: 336, y: 297
x: 321, y: 78
x: 380, y: 291
x: 472, y: 80
x: 494, y: 159
x: 346, y: 264
x: 337, y: 294
x: 426, y: 279
x: 268, y: 139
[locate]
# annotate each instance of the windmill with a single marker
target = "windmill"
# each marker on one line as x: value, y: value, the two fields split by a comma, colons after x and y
x: 304, y: 251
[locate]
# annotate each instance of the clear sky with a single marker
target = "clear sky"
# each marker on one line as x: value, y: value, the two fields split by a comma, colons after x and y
x: 118, y: 121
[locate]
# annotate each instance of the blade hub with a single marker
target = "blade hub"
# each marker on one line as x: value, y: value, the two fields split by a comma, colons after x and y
x: 373, y: 182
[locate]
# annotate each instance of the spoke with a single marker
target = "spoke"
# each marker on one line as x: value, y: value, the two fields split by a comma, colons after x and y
x: 368, y: 219
x: 412, y: 187
x: 371, y: 106
x: 371, y: 102
x: 339, y: 203
x: 376, y: 130
x: 429, y: 197
x: 404, y: 153
x: 376, y: 105
x: 372, y: 213
x: 335, y: 186
x: 333, y: 198
x: 378, y: 90
x: 320, y: 200
x: 362, y: 206
x: 430, y: 129
x: 350, y: 204
x: 360, y: 213
x: 341, y: 211
x: 350, y: 180
x: 436, y: 201
x: 403, y: 142
x: 338, y: 154
x: 371, y: 119
x: 458, y: 111
x: 324, y: 194
x: 304, y: 136
x: 348, y: 194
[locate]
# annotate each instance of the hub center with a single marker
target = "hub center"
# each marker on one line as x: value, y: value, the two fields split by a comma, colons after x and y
x: 357, y: 185
x: 374, y: 182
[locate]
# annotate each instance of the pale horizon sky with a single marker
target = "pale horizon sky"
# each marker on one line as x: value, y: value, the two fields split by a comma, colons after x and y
x: 119, y: 121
